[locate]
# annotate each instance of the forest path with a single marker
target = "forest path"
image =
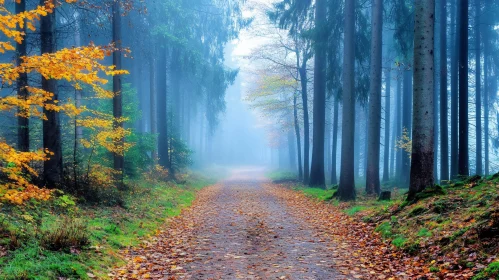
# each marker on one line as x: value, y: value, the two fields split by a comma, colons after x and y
x: 240, y: 228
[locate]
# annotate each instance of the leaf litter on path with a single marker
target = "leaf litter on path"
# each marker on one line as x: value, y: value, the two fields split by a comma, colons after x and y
x: 258, y: 230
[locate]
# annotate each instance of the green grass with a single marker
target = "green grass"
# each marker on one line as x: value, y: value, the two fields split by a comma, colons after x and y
x: 317, y: 193
x: 280, y: 175
x: 111, y: 229
x: 399, y: 241
x: 424, y: 232
x: 354, y: 210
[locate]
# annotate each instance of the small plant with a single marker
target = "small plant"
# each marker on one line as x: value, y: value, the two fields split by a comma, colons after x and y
x: 458, y: 233
x: 417, y: 211
x: 354, y: 210
x: 385, y: 229
x: 434, y: 269
x: 424, y: 232
x: 65, y: 234
x: 491, y: 272
x: 399, y: 242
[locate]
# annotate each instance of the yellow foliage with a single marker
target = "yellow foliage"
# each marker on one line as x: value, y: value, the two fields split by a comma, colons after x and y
x: 405, y: 142
x: 78, y: 66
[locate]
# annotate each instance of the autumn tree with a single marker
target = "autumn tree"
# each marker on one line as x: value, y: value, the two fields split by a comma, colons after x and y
x: 22, y: 83
x: 77, y: 66
x: 52, y: 168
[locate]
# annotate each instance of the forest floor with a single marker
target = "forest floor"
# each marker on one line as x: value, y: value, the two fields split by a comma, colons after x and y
x: 246, y: 227
x: 64, y: 238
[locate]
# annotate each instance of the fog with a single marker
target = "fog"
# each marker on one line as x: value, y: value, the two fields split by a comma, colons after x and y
x: 322, y: 89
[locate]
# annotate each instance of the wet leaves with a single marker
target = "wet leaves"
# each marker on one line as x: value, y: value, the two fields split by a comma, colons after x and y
x: 251, y: 230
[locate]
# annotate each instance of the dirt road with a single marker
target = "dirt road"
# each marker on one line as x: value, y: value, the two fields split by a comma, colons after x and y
x: 238, y: 229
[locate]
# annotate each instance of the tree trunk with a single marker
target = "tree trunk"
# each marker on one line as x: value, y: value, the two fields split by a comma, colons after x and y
x: 444, y: 126
x: 463, y: 168
x: 22, y: 83
x: 327, y: 140
x: 436, y: 92
x: 478, y: 84
x: 454, y: 150
x: 297, y: 134
x: 162, y: 111
x: 52, y: 168
x: 291, y: 150
x: 407, y: 124
x: 423, y: 117
x: 386, y: 160
x: 374, y: 119
x: 152, y: 106
x: 306, y: 124
x: 346, y: 189
x: 117, y: 89
x: 334, y: 179
x: 317, y: 177
x: 486, y: 91
x: 398, y: 163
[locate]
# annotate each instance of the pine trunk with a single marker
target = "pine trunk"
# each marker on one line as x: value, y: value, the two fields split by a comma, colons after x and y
x: 478, y: 92
x: 374, y: 119
x: 346, y: 189
x: 423, y: 117
x: 444, y: 126
x: 463, y: 160
x: 386, y: 157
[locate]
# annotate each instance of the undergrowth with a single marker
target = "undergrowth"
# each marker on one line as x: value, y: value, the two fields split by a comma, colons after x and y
x: 461, y: 217
x: 64, y: 239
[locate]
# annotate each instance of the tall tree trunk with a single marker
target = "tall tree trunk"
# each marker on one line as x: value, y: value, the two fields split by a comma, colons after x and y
x: 317, y: 177
x: 346, y: 189
x: 306, y: 123
x: 398, y: 164
x: 392, y: 146
x: 444, y: 126
x: 478, y: 84
x: 486, y: 91
x: 162, y: 110
x: 436, y: 92
x: 407, y: 124
x: 374, y: 119
x: 423, y: 126
x: 334, y: 179
x: 22, y: 83
x: 454, y: 149
x: 386, y: 160
x: 327, y: 140
x: 52, y: 168
x: 152, y: 106
x: 463, y: 168
x: 291, y: 150
x: 297, y: 134
x: 117, y: 89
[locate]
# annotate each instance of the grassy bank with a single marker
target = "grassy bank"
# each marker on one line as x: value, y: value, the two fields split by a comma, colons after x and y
x: 62, y: 238
x: 454, y: 228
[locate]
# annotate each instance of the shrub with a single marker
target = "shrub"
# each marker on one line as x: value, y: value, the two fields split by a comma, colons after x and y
x: 65, y: 234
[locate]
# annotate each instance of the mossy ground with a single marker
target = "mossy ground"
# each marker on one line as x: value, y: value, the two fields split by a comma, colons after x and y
x: 462, y: 221
x: 110, y: 229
